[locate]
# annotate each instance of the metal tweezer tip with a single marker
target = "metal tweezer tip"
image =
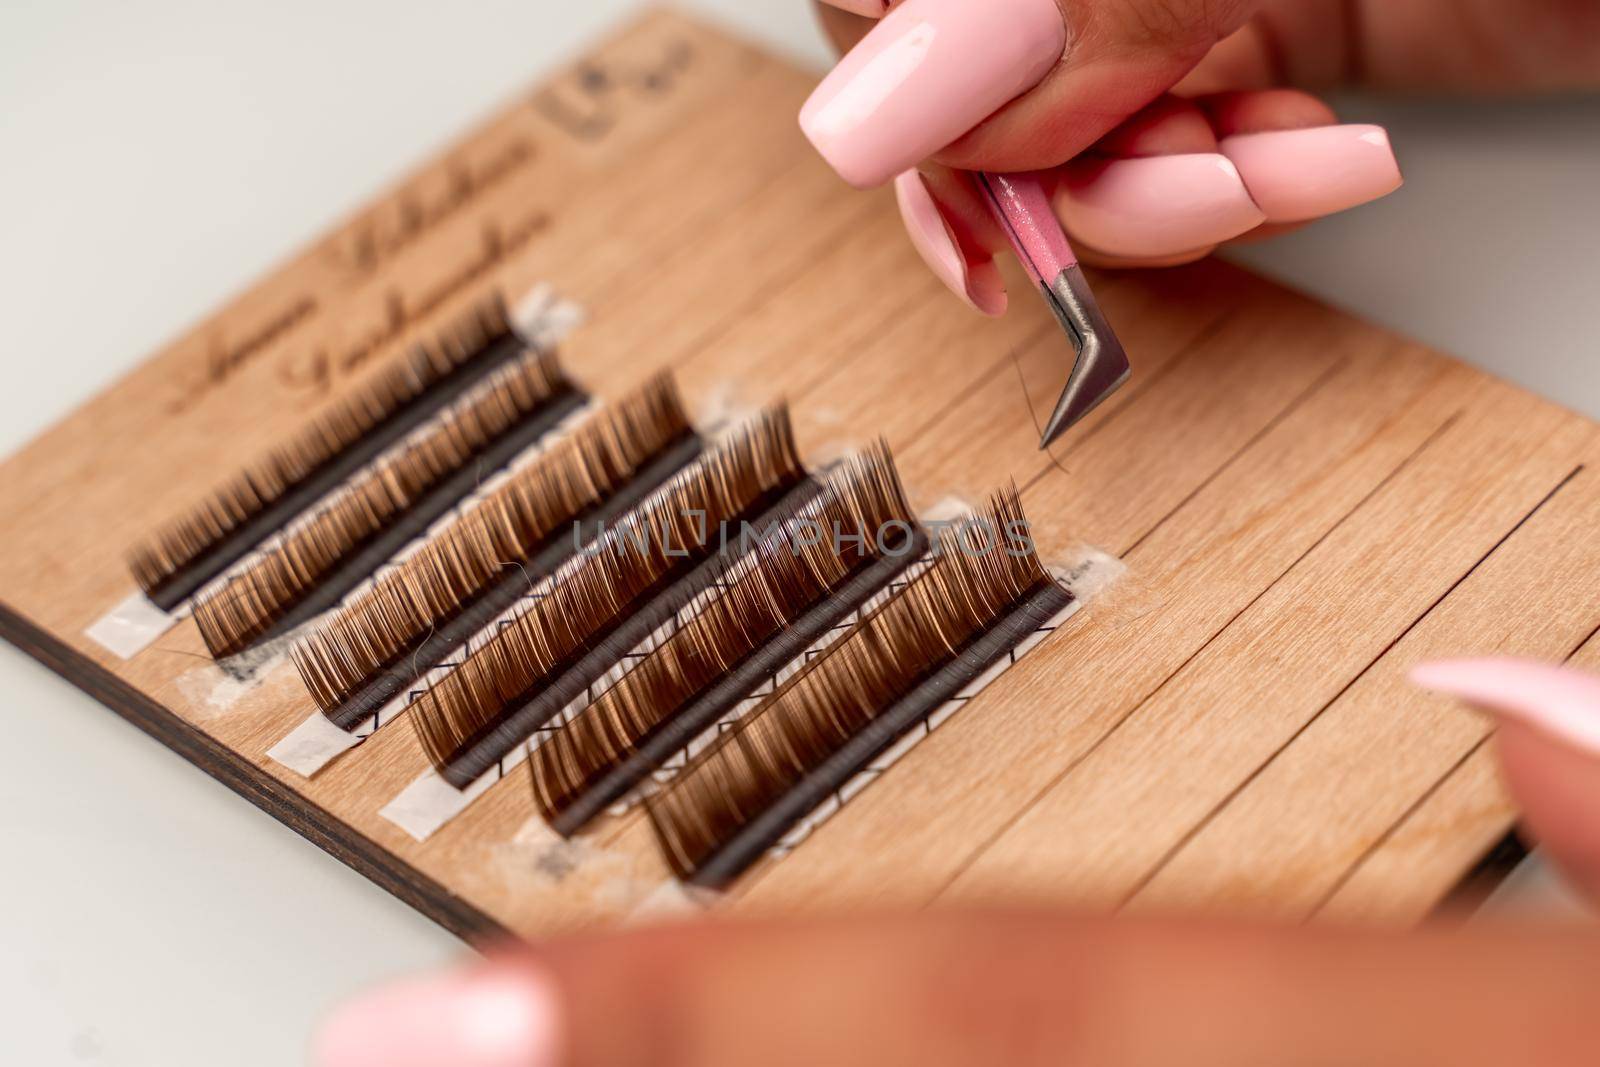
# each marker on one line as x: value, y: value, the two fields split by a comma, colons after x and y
x: 1101, y: 365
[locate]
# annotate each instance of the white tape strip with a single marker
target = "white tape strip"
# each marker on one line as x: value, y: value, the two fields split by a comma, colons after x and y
x: 670, y: 900
x: 130, y: 627
x: 430, y: 801
x: 311, y: 745
x: 1091, y: 573
x: 543, y: 318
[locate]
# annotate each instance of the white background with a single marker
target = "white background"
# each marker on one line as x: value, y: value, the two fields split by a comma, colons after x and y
x: 156, y: 156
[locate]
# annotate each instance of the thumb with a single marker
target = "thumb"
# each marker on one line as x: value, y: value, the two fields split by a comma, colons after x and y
x: 1548, y: 739
x: 1003, y: 84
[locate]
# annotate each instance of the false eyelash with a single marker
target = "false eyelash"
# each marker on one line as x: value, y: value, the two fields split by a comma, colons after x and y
x: 177, y: 560
x: 608, y: 599
x: 432, y: 602
x: 793, y: 587
x: 741, y: 794
x: 317, y: 561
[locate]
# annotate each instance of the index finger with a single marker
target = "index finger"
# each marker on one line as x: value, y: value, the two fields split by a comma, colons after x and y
x: 1004, y: 85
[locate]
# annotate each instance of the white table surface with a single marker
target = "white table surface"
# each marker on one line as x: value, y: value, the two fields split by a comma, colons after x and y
x: 157, y: 157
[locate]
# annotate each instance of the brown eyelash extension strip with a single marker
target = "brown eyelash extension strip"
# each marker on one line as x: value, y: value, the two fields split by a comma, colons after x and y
x: 739, y: 796
x: 177, y: 560
x: 315, y: 563
x: 794, y: 586
x: 417, y: 614
x: 608, y: 599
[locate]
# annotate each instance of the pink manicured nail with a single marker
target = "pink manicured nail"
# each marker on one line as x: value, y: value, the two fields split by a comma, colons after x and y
x: 1155, y: 205
x: 1562, y: 702
x: 870, y: 8
x: 1297, y: 175
x: 489, y: 1017
x: 926, y: 74
x: 979, y: 284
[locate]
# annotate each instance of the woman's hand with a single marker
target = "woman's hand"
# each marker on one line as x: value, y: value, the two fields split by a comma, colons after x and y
x: 971, y: 989
x: 1167, y: 127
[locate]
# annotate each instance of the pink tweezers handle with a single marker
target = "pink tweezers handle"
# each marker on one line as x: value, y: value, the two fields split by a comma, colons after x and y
x: 1019, y: 204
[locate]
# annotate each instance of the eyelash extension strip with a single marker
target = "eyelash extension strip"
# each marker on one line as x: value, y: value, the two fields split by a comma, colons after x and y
x: 180, y: 558
x: 795, y: 585
x: 417, y: 614
x: 315, y: 563
x: 740, y: 795
x: 606, y: 601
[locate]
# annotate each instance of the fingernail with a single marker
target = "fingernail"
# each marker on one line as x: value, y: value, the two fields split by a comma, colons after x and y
x: 923, y: 76
x: 1156, y: 205
x: 870, y: 8
x: 498, y: 1016
x: 980, y: 284
x: 1561, y: 702
x: 1295, y: 175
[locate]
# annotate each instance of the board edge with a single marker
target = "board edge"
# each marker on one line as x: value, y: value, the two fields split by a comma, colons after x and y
x: 337, y: 839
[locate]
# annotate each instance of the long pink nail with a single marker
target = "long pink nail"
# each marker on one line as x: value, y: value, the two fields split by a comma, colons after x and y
x: 979, y: 284
x: 1156, y: 205
x: 1562, y: 702
x: 1297, y: 175
x: 926, y: 74
x: 499, y: 1016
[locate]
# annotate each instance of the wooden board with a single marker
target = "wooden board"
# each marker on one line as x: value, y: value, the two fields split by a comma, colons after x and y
x: 1306, y: 505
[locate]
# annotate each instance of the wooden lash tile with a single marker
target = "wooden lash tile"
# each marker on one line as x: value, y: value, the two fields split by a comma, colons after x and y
x: 315, y: 563
x: 418, y: 613
x: 180, y: 558
x: 1239, y: 448
x: 792, y: 588
x: 609, y: 599
x: 739, y: 796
